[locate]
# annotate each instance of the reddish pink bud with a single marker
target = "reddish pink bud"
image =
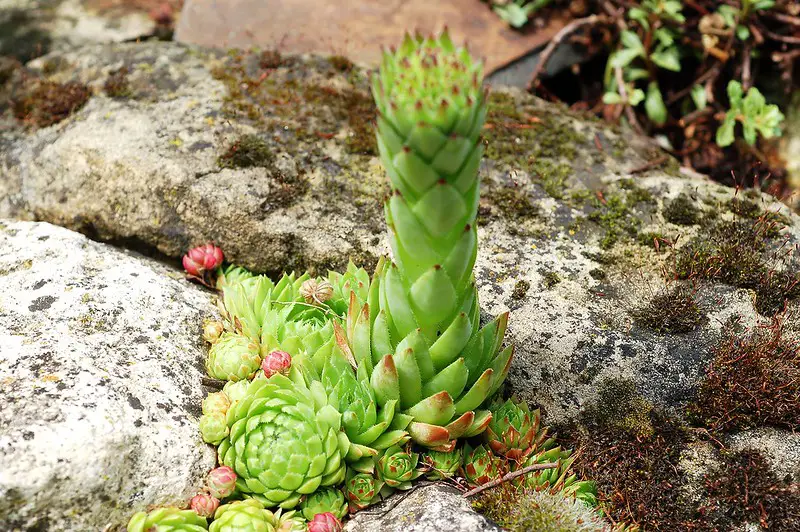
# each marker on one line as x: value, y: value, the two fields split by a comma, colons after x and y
x: 325, y: 522
x: 221, y: 482
x: 204, y: 505
x: 276, y: 362
x: 201, y: 259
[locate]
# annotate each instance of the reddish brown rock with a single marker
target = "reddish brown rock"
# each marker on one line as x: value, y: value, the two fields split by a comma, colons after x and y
x: 356, y: 29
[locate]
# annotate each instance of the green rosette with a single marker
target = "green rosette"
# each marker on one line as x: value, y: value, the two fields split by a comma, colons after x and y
x: 167, y: 520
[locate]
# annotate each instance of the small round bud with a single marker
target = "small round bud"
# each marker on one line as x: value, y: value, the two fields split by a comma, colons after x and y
x: 315, y: 291
x: 202, y: 259
x: 221, y: 481
x: 276, y: 362
x: 204, y: 505
x: 216, y: 402
x: 325, y: 522
x: 212, y: 329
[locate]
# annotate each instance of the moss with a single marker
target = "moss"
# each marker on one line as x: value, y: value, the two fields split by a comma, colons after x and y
x: 522, y: 510
x: 340, y: 63
x: 245, y: 152
x: 269, y: 59
x: 45, y: 103
x: 509, y: 202
x: 521, y: 288
x: 753, y: 381
x: 619, y: 408
x: 744, y: 207
x: 682, y: 211
x: 552, y: 176
x: 598, y: 273
x: 673, y: 311
x: 737, y: 253
x: 615, y: 217
x: 550, y: 279
x: 652, y: 239
x: 117, y: 85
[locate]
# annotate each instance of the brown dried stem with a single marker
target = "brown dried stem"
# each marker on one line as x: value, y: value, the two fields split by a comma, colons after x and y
x: 510, y: 476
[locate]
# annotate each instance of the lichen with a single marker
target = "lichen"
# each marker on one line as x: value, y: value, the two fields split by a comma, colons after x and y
x: 521, y: 288
x: 550, y: 279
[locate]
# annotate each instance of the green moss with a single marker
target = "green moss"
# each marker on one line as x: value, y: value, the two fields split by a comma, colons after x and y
x: 674, y: 310
x: 619, y: 408
x: 615, y: 217
x: 652, y: 239
x: 598, y: 274
x: 521, y: 288
x: 737, y: 253
x: 246, y: 152
x: 552, y: 176
x: 509, y: 202
x: 682, y: 211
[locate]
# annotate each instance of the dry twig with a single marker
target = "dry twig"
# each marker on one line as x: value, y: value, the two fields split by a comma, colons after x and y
x: 510, y: 476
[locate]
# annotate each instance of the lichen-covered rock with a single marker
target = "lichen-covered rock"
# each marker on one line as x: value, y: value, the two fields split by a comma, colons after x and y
x: 100, y: 382
x: 603, y: 250
x: 427, y: 507
x: 30, y: 28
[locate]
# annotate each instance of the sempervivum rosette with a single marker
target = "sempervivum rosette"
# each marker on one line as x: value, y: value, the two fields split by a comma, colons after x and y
x: 243, y: 516
x: 422, y: 309
x: 167, y: 520
x: 561, y: 479
x: 284, y: 440
x: 324, y: 500
x: 481, y: 465
x: 515, y: 432
x: 233, y: 357
x: 398, y: 467
x: 442, y: 464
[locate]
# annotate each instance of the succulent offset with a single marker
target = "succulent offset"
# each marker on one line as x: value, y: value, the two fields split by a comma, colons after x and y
x: 481, y: 465
x: 284, y: 441
x: 515, y: 431
x: 243, y: 516
x: 442, y: 464
x: 324, y: 500
x: 167, y: 520
x: 418, y: 332
x: 361, y: 490
x: 398, y: 467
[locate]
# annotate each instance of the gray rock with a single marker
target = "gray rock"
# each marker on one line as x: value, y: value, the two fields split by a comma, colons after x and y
x: 780, y: 448
x: 567, y: 213
x: 428, y: 507
x: 30, y: 28
x: 100, y: 382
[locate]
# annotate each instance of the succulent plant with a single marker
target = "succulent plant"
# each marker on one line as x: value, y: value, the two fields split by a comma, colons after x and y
x: 325, y: 522
x: 370, y: 425
x: 442, y: 464
x: 216, y: 402
x: 398, y: 467
x: 418, y: 333
x: 234, y: 357
x: 515, y: 431
x: 560, y: 479
x: 167, y: 520
x: 361, y: 490
x: 481, y: 465
x: 324, y: 500
x: 235, y: 390
x: 242, y: 516
x: 221, y: 482
x: 204, y: 504
x: 288, y: 521
x: 284, y: 440
x: 231, y: 275
x: 202, y: 259
x: 276, y: 362
x: 212, y: 330
x: 213, y: 427
x: 354, y: 280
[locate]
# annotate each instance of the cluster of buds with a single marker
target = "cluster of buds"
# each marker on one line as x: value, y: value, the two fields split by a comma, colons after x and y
x: 325, y: 522
x: 202, y: 262
x: 276, y: 362
x: 221, y: 483
x: 204, y: 504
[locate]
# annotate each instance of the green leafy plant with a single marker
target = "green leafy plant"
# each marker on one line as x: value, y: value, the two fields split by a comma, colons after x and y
x: 753, y: 112
x: 517, y: 12
x: 736, y: 17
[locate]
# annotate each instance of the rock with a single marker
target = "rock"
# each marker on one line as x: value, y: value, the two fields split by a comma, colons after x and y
x: 781, y: 448
x: 357, y: 28
x: 100, y: 382
x: 429, y: 506
x: 31, y: 28
x: 272, y: 158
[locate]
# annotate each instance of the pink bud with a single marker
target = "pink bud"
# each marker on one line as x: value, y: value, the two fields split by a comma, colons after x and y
x: 204, y: 505
x: 202, y: 259
x: 221, y: 481
x: 325, y: 522
x: 276, y: 362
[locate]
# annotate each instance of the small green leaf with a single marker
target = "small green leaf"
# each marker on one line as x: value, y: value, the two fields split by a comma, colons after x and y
x: 725, y: 131
x: 729, y: 14
x: 742, y: 32
x: 734, y: 93
x: 699, y: 96
x: 750, y: 134
x: 668, y: 59
x: 611, y: 98
x: 634, y: 74
x: 640, y: 16
x: 636, y: 97
x: 623, y: 58
x: 654, y: 104
x: 631, y: 40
